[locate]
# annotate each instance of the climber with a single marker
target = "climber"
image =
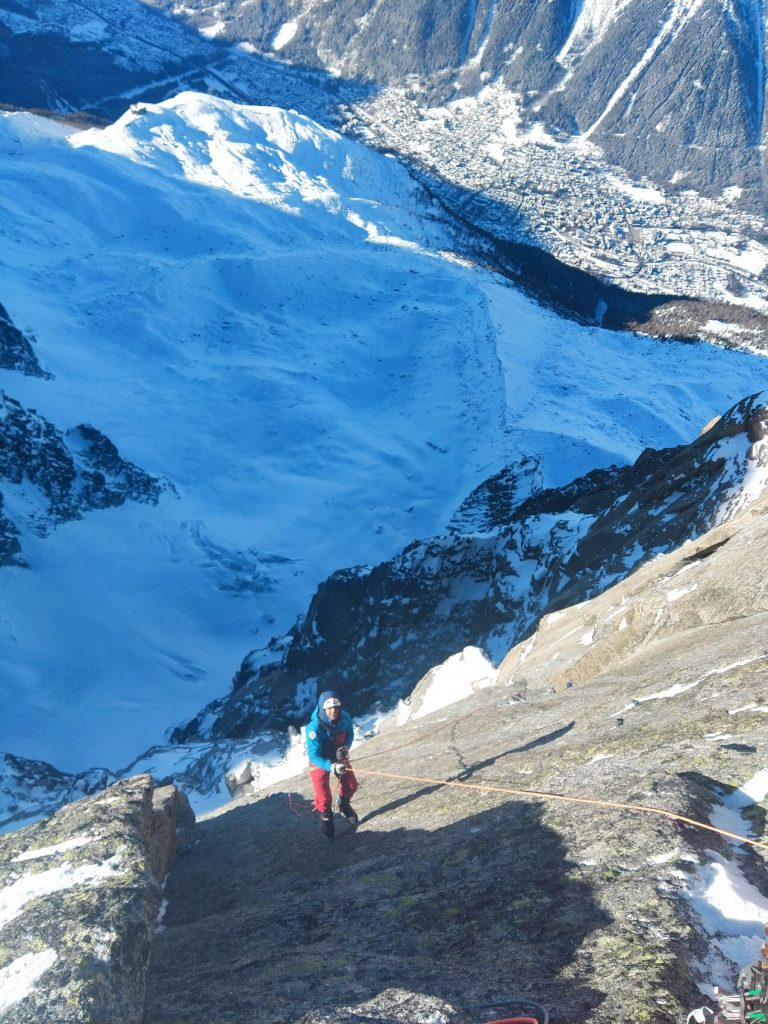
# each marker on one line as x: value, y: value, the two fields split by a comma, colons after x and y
x: 329, y: 737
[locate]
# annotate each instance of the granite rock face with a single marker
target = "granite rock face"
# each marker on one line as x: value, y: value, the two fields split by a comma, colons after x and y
x: 695, y: 614
x: 513, y: 553
x: 78, y: 905
x: 494, y: 859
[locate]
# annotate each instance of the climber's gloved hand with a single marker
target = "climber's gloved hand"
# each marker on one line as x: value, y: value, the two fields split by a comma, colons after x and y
x: 342, y: 754
x: 338, y: 769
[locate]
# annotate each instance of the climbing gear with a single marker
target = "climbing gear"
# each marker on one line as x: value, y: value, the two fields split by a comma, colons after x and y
x: 526, y: 1006
x: 301, y: 808
x: 346, y: 810
x: 515, y: 1020
x: 338, y: 769
x: 342, y: 754
x: 326, y: 825
x: 748, y: 1004
x: 750, y: 1001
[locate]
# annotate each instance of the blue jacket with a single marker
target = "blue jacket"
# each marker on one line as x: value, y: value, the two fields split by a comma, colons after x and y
x: 324, y: 738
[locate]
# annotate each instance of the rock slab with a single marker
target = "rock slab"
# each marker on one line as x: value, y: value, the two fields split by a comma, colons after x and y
x: 79, y: 900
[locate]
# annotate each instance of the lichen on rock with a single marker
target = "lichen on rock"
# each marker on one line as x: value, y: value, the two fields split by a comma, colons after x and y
x: 78, y: 904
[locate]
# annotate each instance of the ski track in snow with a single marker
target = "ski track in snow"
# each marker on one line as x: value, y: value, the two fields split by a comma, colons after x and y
x: 257, y: 309
x: 471, y: 15
x: 485, y: 35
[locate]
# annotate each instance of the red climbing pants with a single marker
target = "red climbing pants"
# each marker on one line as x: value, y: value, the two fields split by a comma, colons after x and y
x: 322, y: 786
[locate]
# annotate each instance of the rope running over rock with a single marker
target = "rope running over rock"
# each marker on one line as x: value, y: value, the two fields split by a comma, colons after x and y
x: 481, y: 788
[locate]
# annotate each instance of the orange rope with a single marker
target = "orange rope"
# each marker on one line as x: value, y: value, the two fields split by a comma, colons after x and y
x: 478, y: 787
x: 302, y: 810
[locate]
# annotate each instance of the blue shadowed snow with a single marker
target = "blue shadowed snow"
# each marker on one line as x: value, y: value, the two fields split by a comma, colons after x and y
x: 263, y: 313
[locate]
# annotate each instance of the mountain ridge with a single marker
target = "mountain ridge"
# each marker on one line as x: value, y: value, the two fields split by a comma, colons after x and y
x: 286, y: 351
x: 499, y: 125
x: 490, y: 579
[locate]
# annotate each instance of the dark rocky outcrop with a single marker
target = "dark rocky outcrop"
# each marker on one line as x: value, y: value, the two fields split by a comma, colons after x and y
x: 10, y: 546
x: 72, y: 472
x: 16, y: 352
x: 513, y: 553
x: 79, y: 900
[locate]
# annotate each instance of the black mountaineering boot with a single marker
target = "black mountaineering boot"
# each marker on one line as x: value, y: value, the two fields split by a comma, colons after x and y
x: 345, y: 808
x: 326, y: 824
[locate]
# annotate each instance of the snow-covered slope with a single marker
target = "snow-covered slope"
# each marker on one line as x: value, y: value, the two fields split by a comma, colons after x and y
x: 203, y: 285
x: 621, y: 139
x: 264, y: 316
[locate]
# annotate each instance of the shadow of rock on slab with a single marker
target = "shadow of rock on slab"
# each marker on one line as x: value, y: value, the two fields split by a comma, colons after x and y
x: 79, y: 895
x: 268, y: 921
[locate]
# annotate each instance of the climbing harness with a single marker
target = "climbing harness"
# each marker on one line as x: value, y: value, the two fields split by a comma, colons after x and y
x: 515, y: 1020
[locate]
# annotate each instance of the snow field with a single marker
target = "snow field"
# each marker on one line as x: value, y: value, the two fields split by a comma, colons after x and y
x: 209, y: 286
